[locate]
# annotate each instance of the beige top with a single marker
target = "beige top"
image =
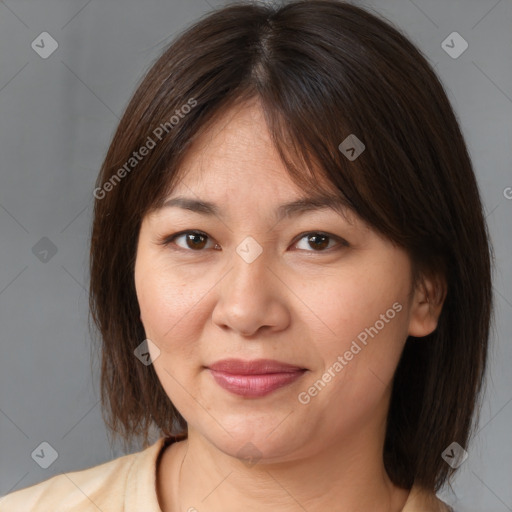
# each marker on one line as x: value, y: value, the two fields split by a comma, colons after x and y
x: 128, y: 484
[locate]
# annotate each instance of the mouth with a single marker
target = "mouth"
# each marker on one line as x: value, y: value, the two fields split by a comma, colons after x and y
x: 254, y: 378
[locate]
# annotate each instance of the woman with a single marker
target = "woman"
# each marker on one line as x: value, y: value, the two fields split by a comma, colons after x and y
x: 290, y: 273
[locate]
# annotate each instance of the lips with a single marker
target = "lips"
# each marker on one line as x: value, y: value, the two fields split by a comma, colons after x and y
x: 254, y: 367
x: 254, y: 378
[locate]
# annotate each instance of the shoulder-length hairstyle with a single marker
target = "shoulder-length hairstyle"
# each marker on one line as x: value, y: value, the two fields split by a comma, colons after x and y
x: 322, y: 70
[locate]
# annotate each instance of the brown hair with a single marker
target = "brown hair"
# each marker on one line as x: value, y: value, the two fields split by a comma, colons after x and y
x: 322, y: 70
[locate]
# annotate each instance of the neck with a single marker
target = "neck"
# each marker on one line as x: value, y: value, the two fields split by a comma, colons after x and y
x: 346, y: 476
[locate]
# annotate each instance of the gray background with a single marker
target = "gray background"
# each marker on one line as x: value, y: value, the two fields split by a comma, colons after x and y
x: 57, y: 116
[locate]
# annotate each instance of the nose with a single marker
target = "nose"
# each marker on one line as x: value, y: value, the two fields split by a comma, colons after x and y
x: 252, y: 297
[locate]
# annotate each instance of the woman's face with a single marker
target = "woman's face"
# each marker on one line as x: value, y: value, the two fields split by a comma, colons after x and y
x: 309, y: 289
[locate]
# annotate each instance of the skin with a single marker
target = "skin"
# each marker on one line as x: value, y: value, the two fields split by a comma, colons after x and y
x: 295, y: 303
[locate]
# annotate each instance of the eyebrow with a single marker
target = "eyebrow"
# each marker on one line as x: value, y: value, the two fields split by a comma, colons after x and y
x: 290, y: 209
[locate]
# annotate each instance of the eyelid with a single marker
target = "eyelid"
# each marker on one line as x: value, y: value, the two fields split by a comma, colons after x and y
x: 168, y: 240
x: 341, y: 242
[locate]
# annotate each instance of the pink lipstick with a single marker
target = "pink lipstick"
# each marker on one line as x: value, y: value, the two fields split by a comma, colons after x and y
x: 254, y: 378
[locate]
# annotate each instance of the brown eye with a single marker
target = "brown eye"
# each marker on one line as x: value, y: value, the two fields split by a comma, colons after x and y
x: 319, y: 242
x: 193, y: 240
x: 197, y: 241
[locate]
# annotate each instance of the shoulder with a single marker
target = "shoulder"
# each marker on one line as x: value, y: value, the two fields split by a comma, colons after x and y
x: 102, y: 487
x: 424, y: 500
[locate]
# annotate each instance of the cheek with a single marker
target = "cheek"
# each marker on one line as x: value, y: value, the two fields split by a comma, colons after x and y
x: 367, y: 316
x: 359, y: 301
x: 170, y: 305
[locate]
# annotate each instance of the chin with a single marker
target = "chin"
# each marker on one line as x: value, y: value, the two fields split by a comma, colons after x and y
x: 251, y: 446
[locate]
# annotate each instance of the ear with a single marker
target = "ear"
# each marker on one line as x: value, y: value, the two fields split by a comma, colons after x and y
x: 427, y: 303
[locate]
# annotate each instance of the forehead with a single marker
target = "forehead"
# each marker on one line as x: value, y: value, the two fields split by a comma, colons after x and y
x: 237, y: 146
x: 235, y: 143
x: 234, y: 162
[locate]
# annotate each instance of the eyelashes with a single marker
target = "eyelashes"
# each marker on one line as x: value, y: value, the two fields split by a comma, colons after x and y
x: 170, y: 240
x: 197, y: 241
